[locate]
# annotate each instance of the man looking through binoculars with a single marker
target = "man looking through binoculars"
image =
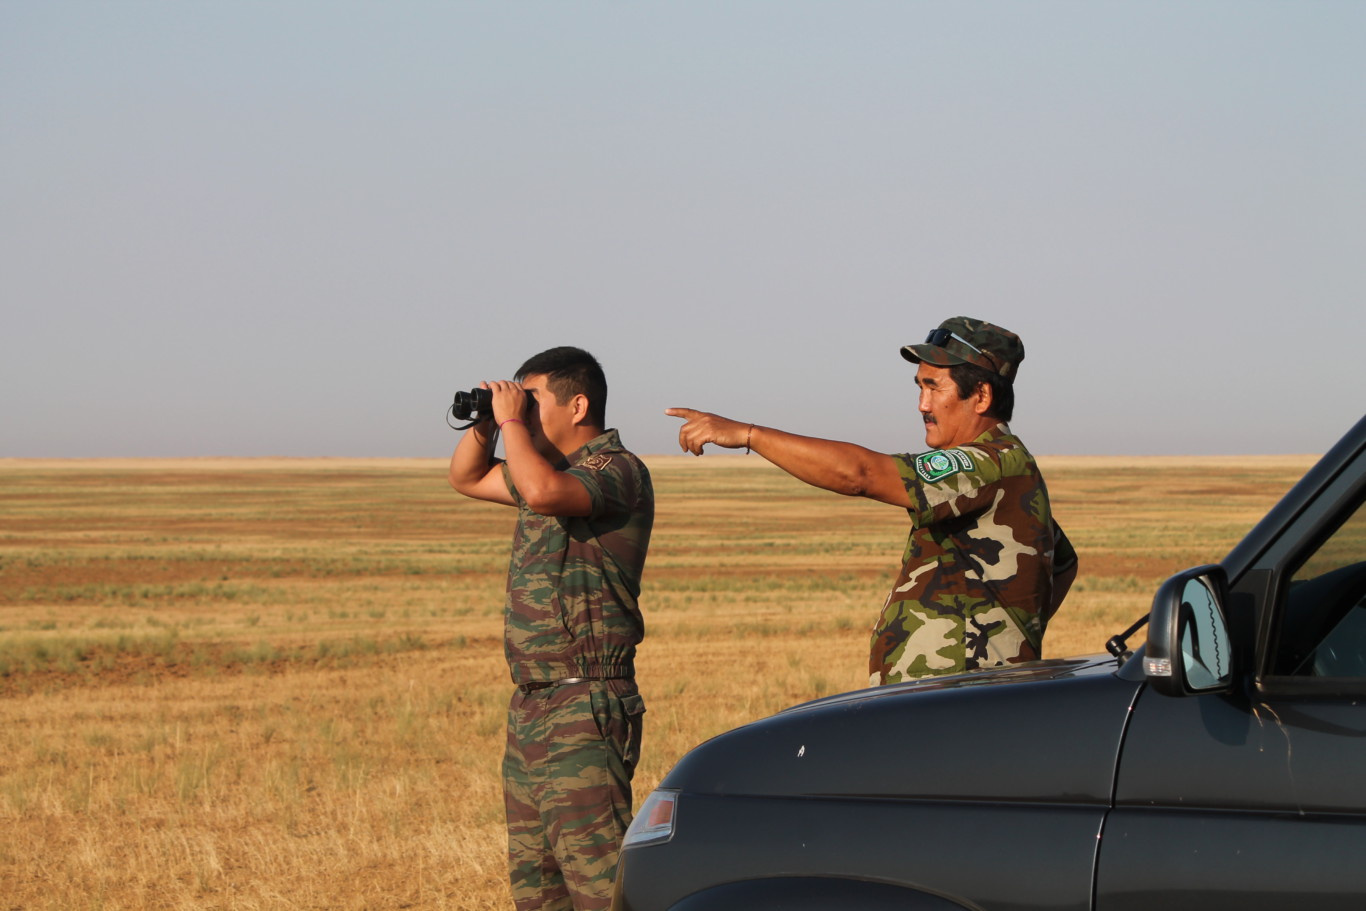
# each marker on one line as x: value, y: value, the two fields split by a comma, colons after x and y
x: 585, y: 510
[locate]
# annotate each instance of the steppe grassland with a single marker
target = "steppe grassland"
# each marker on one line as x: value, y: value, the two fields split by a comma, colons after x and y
x: 279, y: 684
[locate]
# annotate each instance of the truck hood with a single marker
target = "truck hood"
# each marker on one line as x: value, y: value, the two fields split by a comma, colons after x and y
x: 1045, y: 731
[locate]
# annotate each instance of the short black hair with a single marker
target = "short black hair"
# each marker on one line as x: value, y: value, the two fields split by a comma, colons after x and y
x: 569, y: 372
x: 967, y: 377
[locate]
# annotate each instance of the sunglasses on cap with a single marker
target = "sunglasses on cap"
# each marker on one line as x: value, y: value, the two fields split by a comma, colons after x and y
x: 939, y: 337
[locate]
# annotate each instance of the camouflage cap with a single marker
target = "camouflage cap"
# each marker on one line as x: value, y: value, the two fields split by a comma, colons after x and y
x: 963, y: 340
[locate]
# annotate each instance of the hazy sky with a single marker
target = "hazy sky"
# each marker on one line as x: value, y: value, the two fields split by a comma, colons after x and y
x: 297, y: 228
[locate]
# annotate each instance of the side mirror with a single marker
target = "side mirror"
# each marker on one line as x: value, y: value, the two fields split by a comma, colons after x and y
x: 1188, y: 644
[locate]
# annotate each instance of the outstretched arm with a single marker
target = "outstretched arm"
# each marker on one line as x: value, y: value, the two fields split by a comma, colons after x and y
x: 844, y: 468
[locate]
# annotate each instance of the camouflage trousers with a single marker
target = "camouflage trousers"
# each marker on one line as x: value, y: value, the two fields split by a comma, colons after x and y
x: 571, y: 753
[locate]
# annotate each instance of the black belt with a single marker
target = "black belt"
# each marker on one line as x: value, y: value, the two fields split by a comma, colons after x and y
x: 528, y: 688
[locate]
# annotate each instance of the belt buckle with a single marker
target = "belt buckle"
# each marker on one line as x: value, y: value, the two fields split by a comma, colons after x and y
x: 536, y: 685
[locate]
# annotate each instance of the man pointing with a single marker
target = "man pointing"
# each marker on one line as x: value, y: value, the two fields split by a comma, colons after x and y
x: 985, y: 565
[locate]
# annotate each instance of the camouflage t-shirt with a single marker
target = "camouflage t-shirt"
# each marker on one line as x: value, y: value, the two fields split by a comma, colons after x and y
x: 976, y: 578
x: 574, y: 581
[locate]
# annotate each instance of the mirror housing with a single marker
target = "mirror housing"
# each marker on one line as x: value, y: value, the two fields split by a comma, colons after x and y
x: 1189, y: 650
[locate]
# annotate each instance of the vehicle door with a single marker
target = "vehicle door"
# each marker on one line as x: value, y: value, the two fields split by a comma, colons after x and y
x: 1254, y: 797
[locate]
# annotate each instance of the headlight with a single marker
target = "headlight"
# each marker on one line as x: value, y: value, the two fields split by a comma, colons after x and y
x: 654, y: 823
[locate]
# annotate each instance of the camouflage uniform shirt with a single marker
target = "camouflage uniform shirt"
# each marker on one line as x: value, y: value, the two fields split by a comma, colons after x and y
x: 574, y: 581
x: 976, y: 578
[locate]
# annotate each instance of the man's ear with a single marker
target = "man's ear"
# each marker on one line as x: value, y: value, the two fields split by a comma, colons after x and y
x: 580, y: 404
x: 982, y: 398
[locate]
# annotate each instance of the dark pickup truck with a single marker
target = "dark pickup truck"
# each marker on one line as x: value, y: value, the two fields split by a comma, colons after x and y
x: 1220, y: 764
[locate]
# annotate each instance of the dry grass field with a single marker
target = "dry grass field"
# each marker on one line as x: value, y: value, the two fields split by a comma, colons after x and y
x: 256, y: 684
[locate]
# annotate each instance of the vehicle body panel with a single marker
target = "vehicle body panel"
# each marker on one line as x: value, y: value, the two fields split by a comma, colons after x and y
x: 1251, y: 804
x: 851, y: 788
x: 939, y: 848
x: 882, y: 743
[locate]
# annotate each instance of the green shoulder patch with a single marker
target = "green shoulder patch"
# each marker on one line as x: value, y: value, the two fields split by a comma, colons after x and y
x: 942, y: 463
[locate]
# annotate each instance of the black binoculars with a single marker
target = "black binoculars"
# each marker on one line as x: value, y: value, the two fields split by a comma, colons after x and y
x: 473, y: 406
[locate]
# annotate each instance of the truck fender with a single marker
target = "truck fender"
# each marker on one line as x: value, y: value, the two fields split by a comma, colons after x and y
x: 810, y: 893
